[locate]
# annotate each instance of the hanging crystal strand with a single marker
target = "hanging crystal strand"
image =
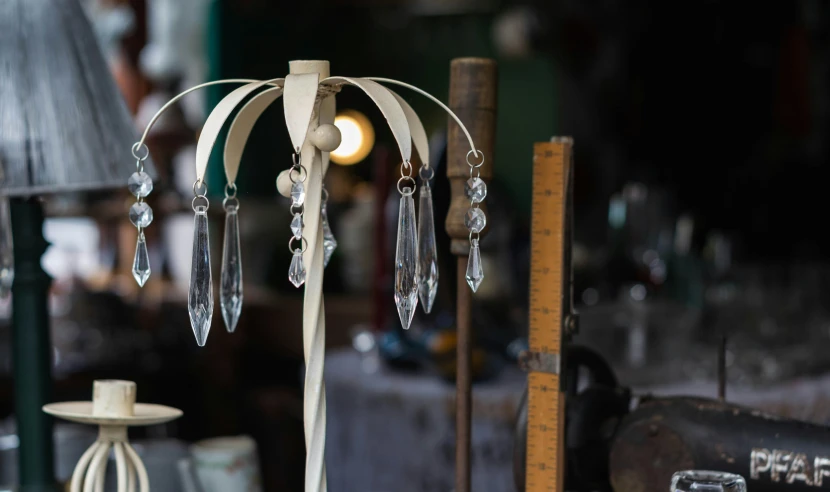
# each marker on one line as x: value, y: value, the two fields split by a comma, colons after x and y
x: 141, y: 215
x: 200, y: 297
x: 141, y: 262
x: 427, y: 249
x: 6, y: 248
x: 296, y: 271
x: 230, y: 292
x: 329, y: 242
x: 406, y: 253
x: 475, y: 220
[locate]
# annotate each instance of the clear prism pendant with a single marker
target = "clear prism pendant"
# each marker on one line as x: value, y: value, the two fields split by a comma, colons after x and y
x: 141, y: 215
x: 200, y: 297
x: 141, y: 263
x: 230, y: 292
x: 6, y: 248
x: 297, y: 226
x: 329, y: 242
x: 296, y: 272
x: 475, y: 274
x: 475, y: 220
x: 406, y: 261
x: 297, y: 194
x: 427, y: 250
x: 140, y: 184
x: 475, y: 189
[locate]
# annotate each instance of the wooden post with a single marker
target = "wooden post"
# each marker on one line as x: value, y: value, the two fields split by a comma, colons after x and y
x: 473, y: 99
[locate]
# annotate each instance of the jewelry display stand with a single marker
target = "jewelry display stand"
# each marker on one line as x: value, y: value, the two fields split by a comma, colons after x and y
x: 113, y: 409
x: 308, y: 94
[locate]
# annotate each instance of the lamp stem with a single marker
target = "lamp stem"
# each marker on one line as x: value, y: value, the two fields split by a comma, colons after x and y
x: 31, y: 348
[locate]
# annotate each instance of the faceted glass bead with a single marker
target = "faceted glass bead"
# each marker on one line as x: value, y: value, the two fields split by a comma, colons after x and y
x: 329, y: 242
x: 296, y: 272
x: 475, y: 220
x: 475, y: 273
x: 475, y: 189
x: 141, y: 215
x: 6, y: 249
x: 140, y: 184
x: 141, y: 262
x: 427, y: 250
x: 200, y: 297
x: 230, y: 293
x: 297, y: 194
x: 406, y: 261
x: 297, y: 226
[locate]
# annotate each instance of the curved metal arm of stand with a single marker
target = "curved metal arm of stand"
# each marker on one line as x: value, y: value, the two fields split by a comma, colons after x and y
x: 80, y: 468
x: 436, y: 101
x: 188, y: 91
x: 388, y: 105
x: 143, y: 479
x: 99, y: 461
x: 120, y: 467
x: 216, y: 120
x: 90, y: 472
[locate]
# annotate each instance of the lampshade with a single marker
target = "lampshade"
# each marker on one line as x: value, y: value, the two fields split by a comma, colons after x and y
x: 64, y: 125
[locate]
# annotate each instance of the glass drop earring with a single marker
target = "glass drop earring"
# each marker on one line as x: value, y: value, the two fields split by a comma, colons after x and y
x: 141, y: 215
x: 476, y: 190
x: 230, y: 294
x: 427, y: 249
x: 296, y: 271
x: 200, y: 296
x: 406, y: 252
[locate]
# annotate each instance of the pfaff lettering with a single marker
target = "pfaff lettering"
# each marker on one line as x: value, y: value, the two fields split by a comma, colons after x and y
x: 781, y: 465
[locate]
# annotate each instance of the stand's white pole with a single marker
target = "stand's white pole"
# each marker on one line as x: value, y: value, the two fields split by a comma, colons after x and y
x: 314, y: 316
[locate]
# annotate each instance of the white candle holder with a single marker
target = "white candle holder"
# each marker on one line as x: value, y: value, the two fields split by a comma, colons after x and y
x: 113, y: 409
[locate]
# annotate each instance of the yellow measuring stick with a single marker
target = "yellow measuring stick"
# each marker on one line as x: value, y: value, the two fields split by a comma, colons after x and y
x: 550, y: 314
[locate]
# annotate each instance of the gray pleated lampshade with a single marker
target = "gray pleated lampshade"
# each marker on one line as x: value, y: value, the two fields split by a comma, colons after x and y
x: 64, y: 125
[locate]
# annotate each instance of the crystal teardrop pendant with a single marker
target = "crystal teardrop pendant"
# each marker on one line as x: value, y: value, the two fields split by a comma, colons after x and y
x: 475, y: 220
x: 141, y: 215
x: 297, y: 226
x: 230, y: 294
x: 296, y: 272
x: 141, y: 263
x: 329, y: 242
x: 406, y: 261
x: 6, y: 248
x: 475, y: 189
x: 475, y: 274
x: 200, y: 297
x: 297, y: 194
x: 140, y: 184
x: 427, y: 250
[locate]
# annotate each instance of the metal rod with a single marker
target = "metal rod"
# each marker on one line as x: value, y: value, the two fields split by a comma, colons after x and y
x: 463, y: 381
x: 31, y: 348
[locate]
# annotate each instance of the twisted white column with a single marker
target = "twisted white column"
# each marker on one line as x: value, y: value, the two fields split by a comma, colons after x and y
x: 314, y: 315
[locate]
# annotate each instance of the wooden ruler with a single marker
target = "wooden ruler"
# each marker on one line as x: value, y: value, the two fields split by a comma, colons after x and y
x: 551, y: 319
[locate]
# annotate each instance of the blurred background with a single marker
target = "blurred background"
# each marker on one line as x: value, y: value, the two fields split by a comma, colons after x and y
x: 701, y: 171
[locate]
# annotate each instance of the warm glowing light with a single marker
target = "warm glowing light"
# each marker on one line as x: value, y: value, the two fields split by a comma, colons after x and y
x: 357, y: 137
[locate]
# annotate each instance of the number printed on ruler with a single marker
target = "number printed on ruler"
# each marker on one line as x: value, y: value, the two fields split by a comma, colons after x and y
x: 548, y: 277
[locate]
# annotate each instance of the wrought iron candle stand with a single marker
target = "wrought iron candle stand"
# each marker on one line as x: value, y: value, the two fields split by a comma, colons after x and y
x: 308, y: 94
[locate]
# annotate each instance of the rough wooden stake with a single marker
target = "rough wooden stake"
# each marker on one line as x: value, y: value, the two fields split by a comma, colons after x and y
x: 473, y: 99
